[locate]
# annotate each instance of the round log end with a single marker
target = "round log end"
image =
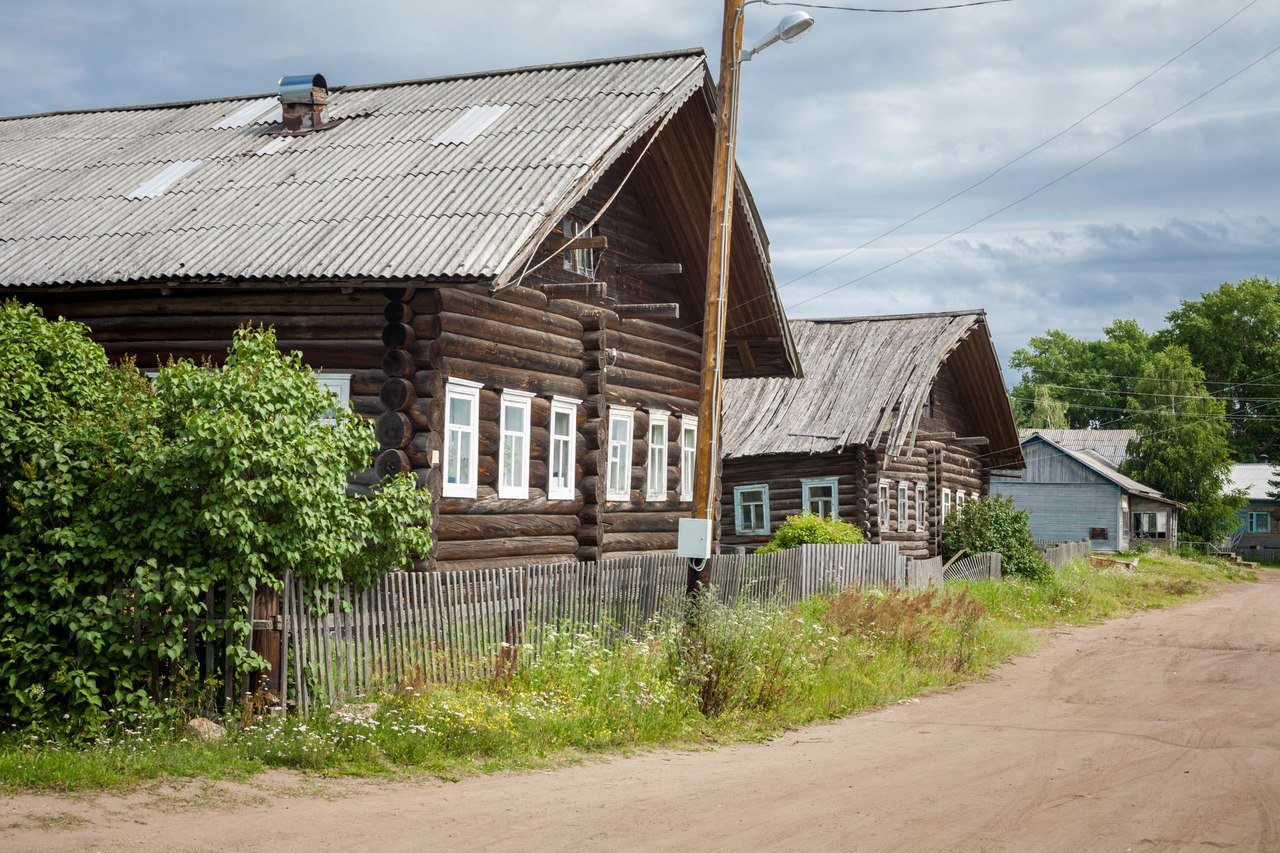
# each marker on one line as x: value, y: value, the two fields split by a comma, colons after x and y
x: 391, y: 462
x: 393, y: 430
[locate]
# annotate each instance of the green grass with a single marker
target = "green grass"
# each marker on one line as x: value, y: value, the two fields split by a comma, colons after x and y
x: 733, y: 673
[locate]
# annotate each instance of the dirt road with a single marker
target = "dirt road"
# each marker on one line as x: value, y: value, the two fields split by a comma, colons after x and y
x: 1156, y: 732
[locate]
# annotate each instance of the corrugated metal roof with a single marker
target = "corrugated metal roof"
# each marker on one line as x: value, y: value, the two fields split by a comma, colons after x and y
x: 865, y: 380
x: 370, y: 197
x: 1100, y: 465
x: 1111, y: 444
x: 1254, y: 479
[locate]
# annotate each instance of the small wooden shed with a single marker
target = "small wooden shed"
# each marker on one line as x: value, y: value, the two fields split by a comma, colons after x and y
x: 504, y: 270
x: 897, y: 420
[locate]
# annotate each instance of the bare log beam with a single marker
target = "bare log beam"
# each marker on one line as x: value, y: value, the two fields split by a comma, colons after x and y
x: 585, y: 243
x: 643, y: 270
x: 669, y: 310
x: 577, y: 290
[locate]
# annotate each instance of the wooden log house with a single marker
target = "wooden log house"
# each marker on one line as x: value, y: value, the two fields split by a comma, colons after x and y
x: 503, y: 271
x: 897, y: 420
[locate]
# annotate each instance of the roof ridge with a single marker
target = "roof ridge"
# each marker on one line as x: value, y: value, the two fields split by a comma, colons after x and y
x: 980, y: 312
x: 362, y: 87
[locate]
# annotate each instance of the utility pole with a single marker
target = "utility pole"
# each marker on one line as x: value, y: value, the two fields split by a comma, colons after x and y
x: 706, y: 482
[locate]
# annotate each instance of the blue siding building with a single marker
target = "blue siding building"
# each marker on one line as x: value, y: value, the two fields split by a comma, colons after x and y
x: 1079, y: 494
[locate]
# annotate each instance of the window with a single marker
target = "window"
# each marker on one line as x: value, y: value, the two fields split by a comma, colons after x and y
x: 902, y: 507
x: 882, y: 508
x: 513, y: 456
x: 1259, y: 522
x: 920, y: 507
x: 751, y: 509
x: 461, y: 437
x: 337, y: 384
x: 820, y: 497
x: 946, y: 506
x: 579, y: 261
x: 564, y: 449
x: 656, y: 483
x: 688, y: 455
x: 1152, y: 525
x: 621, y: 420
x: 960, y: 498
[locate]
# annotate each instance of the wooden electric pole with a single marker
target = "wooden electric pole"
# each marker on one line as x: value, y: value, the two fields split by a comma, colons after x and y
x: 706, y: 495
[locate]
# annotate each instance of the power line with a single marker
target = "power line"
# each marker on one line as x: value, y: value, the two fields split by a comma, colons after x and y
x: 1026, y: 153
x: 1045, y: 186
x: 1113, y: 391
x: 1066, y: 371
x: 834, y: 8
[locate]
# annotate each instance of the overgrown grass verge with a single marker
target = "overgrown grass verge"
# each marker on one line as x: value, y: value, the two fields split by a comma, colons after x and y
x: 726, y: 673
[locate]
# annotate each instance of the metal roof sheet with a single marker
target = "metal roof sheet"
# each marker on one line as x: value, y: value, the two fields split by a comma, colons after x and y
x: 111, y: 196
x: 1254, y: 479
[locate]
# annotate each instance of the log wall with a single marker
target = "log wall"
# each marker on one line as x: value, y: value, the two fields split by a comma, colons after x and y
x: 783, y: 474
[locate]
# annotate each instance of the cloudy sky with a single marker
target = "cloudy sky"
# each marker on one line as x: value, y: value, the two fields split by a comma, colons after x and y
x: 869, y: 121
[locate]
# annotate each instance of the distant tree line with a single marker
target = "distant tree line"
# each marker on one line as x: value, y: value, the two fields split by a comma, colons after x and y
x: 1202, y: 392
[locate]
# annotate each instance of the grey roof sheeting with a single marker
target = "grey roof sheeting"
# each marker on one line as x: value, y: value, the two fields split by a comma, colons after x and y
x: 1111, y: 444
x: 374, y: 196
x: 1099, y: 464
x: 866, y: 379
x: 1254, y: 479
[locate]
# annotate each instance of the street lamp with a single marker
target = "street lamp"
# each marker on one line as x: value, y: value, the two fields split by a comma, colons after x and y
x: 700, y: 529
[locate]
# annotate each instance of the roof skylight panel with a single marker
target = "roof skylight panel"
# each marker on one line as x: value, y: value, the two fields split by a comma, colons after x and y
x: 160, y: 183
x: 470, y: 124
x: 253, y: 112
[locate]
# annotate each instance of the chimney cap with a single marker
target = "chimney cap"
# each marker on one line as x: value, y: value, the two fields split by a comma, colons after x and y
x: 303, y: 89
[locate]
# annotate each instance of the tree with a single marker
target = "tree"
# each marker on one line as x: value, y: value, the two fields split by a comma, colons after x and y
x: 129, y: 502
x: 1089, y: 377
x: 1233, y: 334
x: 1182, y: 448
x: 1047, y: 412
x: 995, y: 525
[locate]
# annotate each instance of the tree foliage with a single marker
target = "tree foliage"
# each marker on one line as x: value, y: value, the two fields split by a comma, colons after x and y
x: 994, y: 525
x: 127, y: 502
x: 1182, y: 448
x: 810, y: 529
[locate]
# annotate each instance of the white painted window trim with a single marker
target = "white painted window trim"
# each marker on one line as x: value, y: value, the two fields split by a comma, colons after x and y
x: 961, y: 498
x: 656, y: 475
x: 519, y: 488
x: 619, y: 491
x: 569, y: 406
x: 946, y: 506
x: 461, y: 389
x: 339, y: 385
x: 903, y: 492
x: 688, y: 457
x: 738, y: 526
x: 807, y: 484
x: 921, y: 508
x: 882, y: 503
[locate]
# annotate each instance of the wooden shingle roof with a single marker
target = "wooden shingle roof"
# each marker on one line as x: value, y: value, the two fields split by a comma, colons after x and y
x: 867, y: 380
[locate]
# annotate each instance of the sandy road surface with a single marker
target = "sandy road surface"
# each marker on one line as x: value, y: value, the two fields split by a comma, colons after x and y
x: 1156, y: 732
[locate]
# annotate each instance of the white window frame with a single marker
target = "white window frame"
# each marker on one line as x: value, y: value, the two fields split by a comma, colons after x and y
x: 921, y: 510
x: 946, y: 506
x: 619, y: 491
x: 961, y: 498
x: 882, y: 504
x: 338, y: 385
x: 738, y: 522
x: 1254, y: 517
x: 806, y: 486
x: 461, y: 389
x: 578, y: 261
x: 563, y: 491
x: 903, y: 491
x: 518, y: 487
x: 655, y: 487
x: 688, y: 455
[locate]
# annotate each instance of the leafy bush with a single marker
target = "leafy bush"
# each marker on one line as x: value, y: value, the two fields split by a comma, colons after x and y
x: 127, y: 503
x: 810, y: 529
x: 994, y: 525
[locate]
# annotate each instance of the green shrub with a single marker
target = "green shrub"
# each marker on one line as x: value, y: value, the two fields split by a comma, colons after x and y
x: 126, y: 502
x: 810, y: 529
x: 994, y: 525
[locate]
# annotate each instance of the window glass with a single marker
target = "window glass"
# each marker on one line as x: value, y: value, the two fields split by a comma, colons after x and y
x: 462, y: 400
x: 618, y: 487
x: 656, y: 485
x: 902, y: 506
x: 751, y: 509
x: 688, y: 455
x: 578, y: 261
x: 513, y: 462
x: 920, y: 507
x: 820, y: 497
x: 564, y: 435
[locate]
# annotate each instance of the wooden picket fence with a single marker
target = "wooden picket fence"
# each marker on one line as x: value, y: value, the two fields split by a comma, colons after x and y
x: 339, y: 642
x: 1059, y: 554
